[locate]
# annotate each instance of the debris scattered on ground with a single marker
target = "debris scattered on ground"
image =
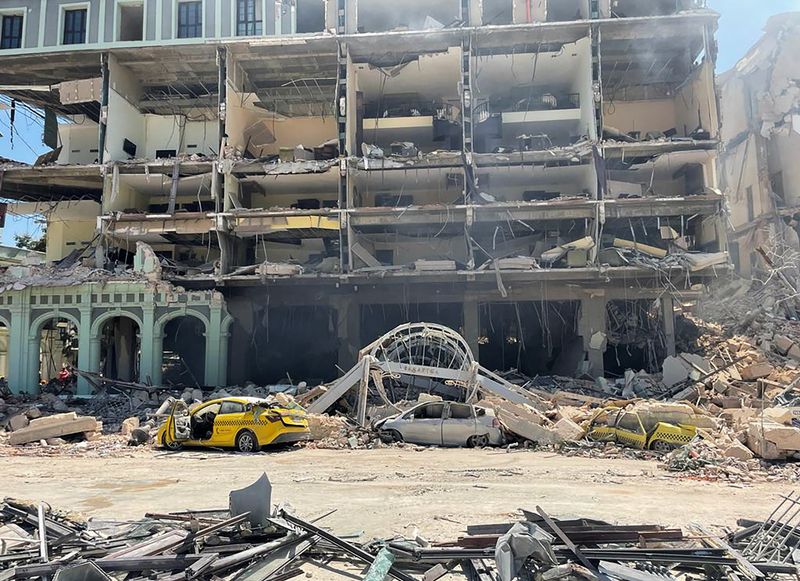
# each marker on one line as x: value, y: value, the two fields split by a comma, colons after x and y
x: 253, y: 539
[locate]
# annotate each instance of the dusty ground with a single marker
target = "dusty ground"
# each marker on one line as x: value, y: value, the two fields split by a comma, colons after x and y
x: 387, y: 491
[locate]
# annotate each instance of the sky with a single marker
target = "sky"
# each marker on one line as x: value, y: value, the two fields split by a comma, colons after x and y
x: 740, y: 26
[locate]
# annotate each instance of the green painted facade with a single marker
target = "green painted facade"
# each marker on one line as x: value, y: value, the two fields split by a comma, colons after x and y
x: 90, y: 305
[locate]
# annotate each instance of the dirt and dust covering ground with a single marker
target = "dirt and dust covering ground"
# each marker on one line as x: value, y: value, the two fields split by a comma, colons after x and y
x: 388, y: 491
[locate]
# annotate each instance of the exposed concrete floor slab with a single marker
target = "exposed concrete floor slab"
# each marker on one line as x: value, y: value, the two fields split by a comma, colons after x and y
x: 386, y: 491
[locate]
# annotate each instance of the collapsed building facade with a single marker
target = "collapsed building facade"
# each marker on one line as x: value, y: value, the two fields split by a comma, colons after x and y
x: 760, y: 101
x: 252, y: 190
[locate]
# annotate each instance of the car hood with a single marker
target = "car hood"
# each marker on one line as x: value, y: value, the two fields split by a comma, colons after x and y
x: 382, y: 421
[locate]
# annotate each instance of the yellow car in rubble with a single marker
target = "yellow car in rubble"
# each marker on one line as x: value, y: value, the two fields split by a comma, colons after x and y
x: 625, y: 427
x: 243, y: 423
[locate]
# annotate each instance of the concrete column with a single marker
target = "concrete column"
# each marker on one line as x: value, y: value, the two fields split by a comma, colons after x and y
x: 668, y: 310
x: 348, y: 326
x: 17, y: 344
x: 213, y: 348
x: 88, y: 346
x: 593, y: 331
x: 472, y: 325
x: 157, y: 355
x: 223, y: 358
x: 146, y: 339
x: 32, y: 363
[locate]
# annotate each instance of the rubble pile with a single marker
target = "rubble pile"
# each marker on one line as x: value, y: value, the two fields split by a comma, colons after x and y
x: 252, y: 539
x: 339, y: 433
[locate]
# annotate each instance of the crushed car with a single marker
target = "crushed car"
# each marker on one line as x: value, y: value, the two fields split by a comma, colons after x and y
x: 629, y: 428
x: 443, y: 423
x: 243, y: 423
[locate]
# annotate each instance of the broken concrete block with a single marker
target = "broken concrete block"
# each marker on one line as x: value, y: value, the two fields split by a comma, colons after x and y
x: 652, y: 412
x: 730, y: 402
x: 55, y: 441
x: 720, y: 386
x: 782, y: 344
x: 33, y: 413
x: 52, y: 420
x: 756, y: 371
x: 673, y: 371
x: 781, y: 415
x: 54, y: 427
x: 18, y: 422
x: 736, y: 450
x: 530, y: 431
x: 794, y: 352
x: 771, y: 440
x: 569, y: 430
x: 128, y: 426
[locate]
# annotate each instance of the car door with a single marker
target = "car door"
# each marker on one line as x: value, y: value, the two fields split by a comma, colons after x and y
x: 630, y: 431
x: 425, y: 427
x: 227, y: 423
x: 177, y: 428
x: 458, y: 424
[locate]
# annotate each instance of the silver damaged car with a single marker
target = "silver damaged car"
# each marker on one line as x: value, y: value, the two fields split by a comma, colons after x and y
x: 443, y: 424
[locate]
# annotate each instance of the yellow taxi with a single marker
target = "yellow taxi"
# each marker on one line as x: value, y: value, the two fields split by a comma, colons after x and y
x: 243, y: 423
x: 613, y: 424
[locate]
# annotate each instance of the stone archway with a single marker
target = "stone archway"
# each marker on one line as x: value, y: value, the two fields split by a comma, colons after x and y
x: 182, y: 355
x: 53, y: 344
x: 119, y: 347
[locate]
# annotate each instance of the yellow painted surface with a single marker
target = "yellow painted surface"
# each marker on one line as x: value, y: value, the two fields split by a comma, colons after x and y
x: 269, y: 424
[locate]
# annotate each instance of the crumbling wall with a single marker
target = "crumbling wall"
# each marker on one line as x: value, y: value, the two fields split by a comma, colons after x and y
x: 79, y: 142
x: 783, y: 156
x: 177, y: 132
x: 641, y: 116
x: 264, y: 133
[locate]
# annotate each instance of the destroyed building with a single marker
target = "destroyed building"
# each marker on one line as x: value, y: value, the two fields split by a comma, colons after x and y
x: 760, y: 104
x: 252, y: 190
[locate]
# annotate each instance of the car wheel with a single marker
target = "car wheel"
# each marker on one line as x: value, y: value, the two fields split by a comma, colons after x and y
x: 391, y: 436
x: 478, y: 441
x: 246, y: 441
x: 170, y: 445
x: 661, y: 446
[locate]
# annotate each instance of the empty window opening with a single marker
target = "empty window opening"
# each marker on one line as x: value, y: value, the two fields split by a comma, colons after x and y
x: 58, y: 353
x: 379, y: 319
x: 777, y: 187
x: 386, y: 15
x: 636, y: 340
x: 131, y: 21
x: 190, y: 19
x: 119, y: 349
x: 637, y: 8
x: 498, y: 11
x: 184, y: 352
x: 11, y: 31
x: 751, y: 207
x: 460, y: 411
x: 432, y: 411
x: 75, y: 26
x: 566, y: 10
x: 249, y: 19
x: 310, y: 16
x: 535, y: 338
x: 282, y: 339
